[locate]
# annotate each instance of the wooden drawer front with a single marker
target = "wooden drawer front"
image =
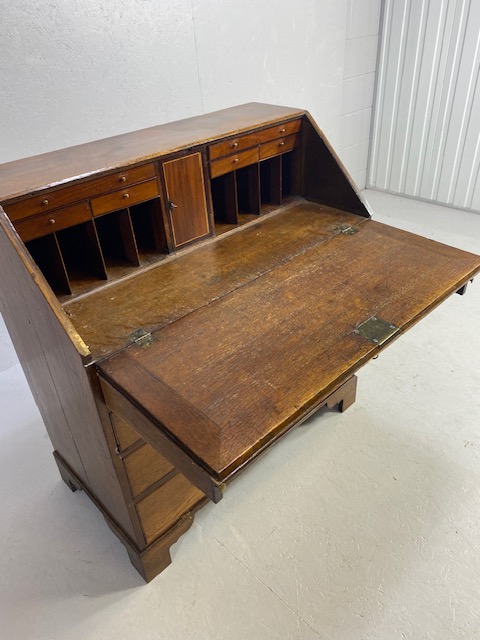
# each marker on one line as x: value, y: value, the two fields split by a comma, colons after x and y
x: 39, y: 226
x: 124, y: 434
x: 253, y: 139
x: 269, y: 149
x: 236, y: 161
x: 165, y: 505
x: 41, y: 203
x: 125, y: 197
x: 144, y: 467
x: 122, y: 178
x: 49, y: 200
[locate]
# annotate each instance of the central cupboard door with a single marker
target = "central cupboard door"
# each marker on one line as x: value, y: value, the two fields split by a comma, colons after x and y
x: 187, y: 202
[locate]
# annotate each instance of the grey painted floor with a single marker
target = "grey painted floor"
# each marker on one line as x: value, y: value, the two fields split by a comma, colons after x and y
x: 356, y: 526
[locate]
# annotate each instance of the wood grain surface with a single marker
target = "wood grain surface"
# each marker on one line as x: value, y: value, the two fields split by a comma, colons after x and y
x: 252, y: 361
x: 186, y: 198
x: 107, y: 318
x: 63, y: 388
x: 22, y: 177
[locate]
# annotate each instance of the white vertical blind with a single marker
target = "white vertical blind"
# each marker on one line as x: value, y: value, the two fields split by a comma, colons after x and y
x: 426, y: 130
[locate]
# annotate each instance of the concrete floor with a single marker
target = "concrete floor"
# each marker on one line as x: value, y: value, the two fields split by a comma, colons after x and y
x: 356, y: 526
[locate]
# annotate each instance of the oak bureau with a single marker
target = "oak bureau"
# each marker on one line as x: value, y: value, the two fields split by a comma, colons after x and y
x: 181, y: 296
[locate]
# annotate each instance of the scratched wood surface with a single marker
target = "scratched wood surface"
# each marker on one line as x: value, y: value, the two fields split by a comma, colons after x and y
x: 107, y: 318
x: 250, y: 362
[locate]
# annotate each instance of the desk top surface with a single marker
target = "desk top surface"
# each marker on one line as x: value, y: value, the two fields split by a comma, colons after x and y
x: 22, y: 177
x: 246, y: 364
x: 146, y: 301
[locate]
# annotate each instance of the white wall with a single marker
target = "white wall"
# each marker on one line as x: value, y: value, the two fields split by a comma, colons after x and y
x: 77, y: 70
x: 361, y: 44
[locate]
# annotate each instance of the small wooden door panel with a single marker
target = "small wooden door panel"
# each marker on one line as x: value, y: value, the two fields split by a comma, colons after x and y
x: 187, y: 202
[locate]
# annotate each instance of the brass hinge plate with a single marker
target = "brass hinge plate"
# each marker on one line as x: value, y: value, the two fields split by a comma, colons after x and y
x: 376, y: 330
x: 143, y: 338
x: 345, y: 229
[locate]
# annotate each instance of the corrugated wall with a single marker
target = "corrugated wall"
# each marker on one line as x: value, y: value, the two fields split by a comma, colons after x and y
x: 426, y: 134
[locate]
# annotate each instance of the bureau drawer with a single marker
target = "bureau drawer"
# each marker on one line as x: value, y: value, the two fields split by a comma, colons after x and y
x: 124, y: 197
x: 165, y: 505
x: 274, y: 148
x: 253, y: 139
x: 236, y: 161
x: 122, y: 178
x: 53, y: 199
x: 42, y: 225
x: 144, y: 467
x: 125, y: 436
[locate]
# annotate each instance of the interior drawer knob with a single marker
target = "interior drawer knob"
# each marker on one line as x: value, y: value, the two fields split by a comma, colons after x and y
x: 45, y: 201
x: 123, y: 178
x: 126, y: 195
x: 235, y: 145
x: 281, y: 144
x: 282, y: 130
x: 235, y: 160
x: 52, y: 221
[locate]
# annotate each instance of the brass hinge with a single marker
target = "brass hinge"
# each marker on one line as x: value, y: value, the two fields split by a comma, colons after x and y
x: 345, y: 229
x: 376, y: 330
x: 143, y: 338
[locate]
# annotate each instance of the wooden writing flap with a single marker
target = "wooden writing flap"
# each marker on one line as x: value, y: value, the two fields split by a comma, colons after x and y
x: 224, y: 381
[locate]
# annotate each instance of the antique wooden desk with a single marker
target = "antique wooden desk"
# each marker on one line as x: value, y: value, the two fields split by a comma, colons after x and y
x: 181, y: 296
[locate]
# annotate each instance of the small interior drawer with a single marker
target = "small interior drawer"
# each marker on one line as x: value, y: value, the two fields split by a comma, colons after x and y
x: 43, y: 202
x: 275, y: 147
x: 236, y: 161
x: 124, y: 178
x: 144, y: 467
x: 252, y: 139
x: 42, y: 225
x: 124, y: 197
x: 53, y: 199
x: 165, y: 505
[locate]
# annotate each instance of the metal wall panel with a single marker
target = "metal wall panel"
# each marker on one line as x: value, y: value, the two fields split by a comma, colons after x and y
x: 426, y: 133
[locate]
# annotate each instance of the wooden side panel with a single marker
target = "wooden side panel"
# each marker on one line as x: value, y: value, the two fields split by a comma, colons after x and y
x: 57, y: 375
x: 326, y: 180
